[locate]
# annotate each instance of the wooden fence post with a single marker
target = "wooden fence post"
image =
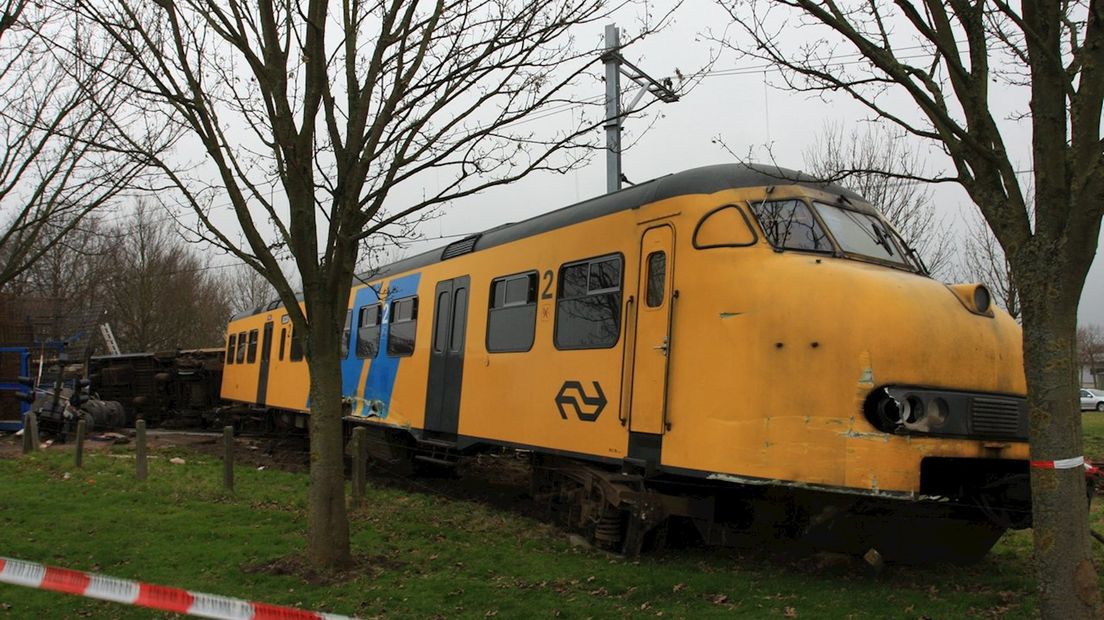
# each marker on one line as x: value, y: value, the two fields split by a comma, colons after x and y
x: 228, y: 458
x: 142, y: 467
x: 360, y: 464
x: 30, y: 433
x: 82, y: 427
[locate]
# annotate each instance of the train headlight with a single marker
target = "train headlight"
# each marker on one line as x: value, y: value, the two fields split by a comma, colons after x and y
x: 974, y: 297
x: 982, y: 298
x: 912, y: 412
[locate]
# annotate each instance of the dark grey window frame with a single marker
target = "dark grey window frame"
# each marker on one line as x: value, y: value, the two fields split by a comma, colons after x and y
x: 391, y: 351
x: 364, y: 331
x: 251, y: 356
x: 296, y: 354
x: 239, y: 356
x: 619, y: 290
x: 654, y: 297
x: 705, y: 218
x: 831, y: 250
x: 533, y: 281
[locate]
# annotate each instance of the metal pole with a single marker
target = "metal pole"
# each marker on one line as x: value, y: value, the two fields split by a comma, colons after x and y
x: 82, y: 427
x: 613, y: 109
x: 360, y: 464
x: 228, y: 458
x: 141, y: 466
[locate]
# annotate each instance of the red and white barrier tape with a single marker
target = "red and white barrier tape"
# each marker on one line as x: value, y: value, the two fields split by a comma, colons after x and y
x: 1061, y: 463
x: 20, y: 573
x: 1077, y: 461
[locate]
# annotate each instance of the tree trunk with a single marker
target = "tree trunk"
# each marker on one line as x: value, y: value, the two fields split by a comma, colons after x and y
x: 1067, y: 581
x: 327, y: 523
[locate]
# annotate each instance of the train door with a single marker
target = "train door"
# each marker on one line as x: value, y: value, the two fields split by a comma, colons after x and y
x: 446, y: 356
x: 266, y: 353
x: 648, y: 400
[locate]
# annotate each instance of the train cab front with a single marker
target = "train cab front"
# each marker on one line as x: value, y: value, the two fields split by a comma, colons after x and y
x: 847, y: 369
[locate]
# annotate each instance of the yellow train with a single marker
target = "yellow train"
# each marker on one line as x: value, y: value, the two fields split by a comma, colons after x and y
x: 735, y: 347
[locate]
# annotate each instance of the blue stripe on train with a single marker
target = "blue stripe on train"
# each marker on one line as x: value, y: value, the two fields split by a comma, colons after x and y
x: 352, y: 366
x: 381, y: 373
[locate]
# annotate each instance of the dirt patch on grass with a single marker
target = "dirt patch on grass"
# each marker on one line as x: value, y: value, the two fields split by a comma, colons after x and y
x: 11, y: 445
x: 299, y: 567
x: 287, y: 454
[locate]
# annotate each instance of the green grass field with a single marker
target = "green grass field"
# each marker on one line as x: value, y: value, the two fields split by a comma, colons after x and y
x: 1092, y: 425
x: 424, y: 556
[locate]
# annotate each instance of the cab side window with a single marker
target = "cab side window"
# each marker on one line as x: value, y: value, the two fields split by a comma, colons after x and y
x: 240, y: 359
x: 230, y: 344
x: 252, y: 346
x: 588, y: 304
x: 512, y: 313
x: 368, y: 331
x: 403, y: 324
x: 296, y: 354
x: 791, y: 225
x: 346, y: 334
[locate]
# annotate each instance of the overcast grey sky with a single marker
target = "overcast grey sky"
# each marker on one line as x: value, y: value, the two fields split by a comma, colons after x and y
x: 734, y: 104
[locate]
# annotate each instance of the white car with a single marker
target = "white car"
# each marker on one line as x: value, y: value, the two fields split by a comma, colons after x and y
x: 1092, y: 399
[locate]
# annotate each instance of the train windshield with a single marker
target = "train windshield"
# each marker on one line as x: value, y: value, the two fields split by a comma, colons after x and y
x: 789, y: 224
x: 862, y: 234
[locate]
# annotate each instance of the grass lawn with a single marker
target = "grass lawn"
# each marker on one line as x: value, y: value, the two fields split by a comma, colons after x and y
x: 1092, y: 425
x: 426, y: 556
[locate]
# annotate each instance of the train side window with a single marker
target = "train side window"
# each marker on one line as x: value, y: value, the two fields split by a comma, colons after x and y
x: 283, y: 343
x: 346, y: 334
x: 403, y: 327
x: 512, y: 314
x: 240, y: 359
x: 296, y: 353
x: 368, y: 331
x: 230, y: 345
x: 441, y: 331
x: 588, y: 306
x: 791, y: 225
x: 726, y: 227
x: 252, y: 347
x: 657, y: 279
x: 459, y: 314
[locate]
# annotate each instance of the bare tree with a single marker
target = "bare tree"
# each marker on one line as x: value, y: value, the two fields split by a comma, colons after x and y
x: 877, y: 164
x: 984, y: 261
x: 1090, y: 349
x: 68, y: 269
x: 159, y: 293
x: 930, y: 68
x: 58, y: 150
x: 359, y: 116
x: 248, y: 289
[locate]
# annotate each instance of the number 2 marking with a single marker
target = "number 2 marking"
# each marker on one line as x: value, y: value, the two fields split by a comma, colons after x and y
x: 547, y: 293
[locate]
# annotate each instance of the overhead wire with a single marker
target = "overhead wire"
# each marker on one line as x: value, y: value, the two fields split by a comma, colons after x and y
x: 750, y: 70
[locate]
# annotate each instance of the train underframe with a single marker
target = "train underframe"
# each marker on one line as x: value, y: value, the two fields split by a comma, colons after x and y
x: 961, y: 512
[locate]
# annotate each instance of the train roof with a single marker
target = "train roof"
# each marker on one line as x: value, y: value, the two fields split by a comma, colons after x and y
x: 703, y: 180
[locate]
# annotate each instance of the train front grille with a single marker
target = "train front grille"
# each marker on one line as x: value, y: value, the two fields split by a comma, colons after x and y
x: 994, y: 416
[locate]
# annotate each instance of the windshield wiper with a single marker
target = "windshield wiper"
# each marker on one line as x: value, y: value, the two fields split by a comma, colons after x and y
x: 881, y: 238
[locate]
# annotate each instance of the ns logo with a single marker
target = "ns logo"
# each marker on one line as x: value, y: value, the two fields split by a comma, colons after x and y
x: 573, y: 396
